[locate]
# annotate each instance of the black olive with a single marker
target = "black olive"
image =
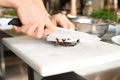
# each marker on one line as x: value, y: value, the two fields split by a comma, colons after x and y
x: 78, y: 41
x: 65, y: 43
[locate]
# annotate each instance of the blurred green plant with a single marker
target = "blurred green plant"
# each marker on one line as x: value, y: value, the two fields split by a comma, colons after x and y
x: 105, y: 14
x: 9, y: 13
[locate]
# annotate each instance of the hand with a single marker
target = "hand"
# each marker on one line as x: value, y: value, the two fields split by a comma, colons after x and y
x: 58, y: 19
x: 34, y: 17
x: 36, y: 22
x: 62, y: 21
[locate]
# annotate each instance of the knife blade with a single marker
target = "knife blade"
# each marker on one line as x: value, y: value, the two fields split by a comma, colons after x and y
x: 63, y: 36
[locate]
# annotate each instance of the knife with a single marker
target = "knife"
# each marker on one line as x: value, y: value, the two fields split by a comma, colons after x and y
x: 63, y: 36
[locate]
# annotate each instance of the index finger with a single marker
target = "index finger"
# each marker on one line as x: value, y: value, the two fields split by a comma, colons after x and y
x: 49, y: 28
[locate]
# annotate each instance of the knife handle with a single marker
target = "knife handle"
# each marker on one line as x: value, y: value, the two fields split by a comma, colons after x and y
x: 16, y: 22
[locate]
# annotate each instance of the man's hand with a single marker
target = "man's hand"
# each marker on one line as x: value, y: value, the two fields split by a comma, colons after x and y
x: 35, y: 18
x: 35, y: 22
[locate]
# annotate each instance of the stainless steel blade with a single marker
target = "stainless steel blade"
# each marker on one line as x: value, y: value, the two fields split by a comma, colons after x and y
x: 71, y: 36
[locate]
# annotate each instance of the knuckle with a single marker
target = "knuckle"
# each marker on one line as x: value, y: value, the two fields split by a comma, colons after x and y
x: 58, y: 15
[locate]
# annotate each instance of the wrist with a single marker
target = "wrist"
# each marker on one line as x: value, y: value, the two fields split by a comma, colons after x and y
x: 11, y: 3
x: 40, y: 4
x: 22, y: 3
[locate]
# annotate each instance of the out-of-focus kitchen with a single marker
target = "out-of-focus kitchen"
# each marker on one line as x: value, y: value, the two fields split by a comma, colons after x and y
x: 99, y: 18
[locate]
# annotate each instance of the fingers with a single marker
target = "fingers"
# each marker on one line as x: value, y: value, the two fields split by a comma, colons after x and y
x: 71, y: 26
x: 46, y: 27
x: 31, y: 30
x: 62, y: 21
x: 49, y: 28
x: 39, y: 31
x: 63, y: 24
x: 35, y: 30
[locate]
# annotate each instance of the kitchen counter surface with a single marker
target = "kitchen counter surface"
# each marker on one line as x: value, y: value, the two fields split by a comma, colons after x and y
x: 48, y: 59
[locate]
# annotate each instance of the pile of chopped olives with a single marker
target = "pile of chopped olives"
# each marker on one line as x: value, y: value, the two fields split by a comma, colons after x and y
x: 65, y: 42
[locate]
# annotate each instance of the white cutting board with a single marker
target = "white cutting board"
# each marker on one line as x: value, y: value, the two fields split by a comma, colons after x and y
x: 48, y: 59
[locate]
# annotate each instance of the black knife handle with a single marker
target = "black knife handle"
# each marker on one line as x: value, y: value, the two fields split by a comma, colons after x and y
x: 16, y: 22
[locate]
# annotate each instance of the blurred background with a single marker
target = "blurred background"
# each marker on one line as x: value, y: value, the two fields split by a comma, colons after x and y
x: 73, y: 9
x: 55, y: 6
